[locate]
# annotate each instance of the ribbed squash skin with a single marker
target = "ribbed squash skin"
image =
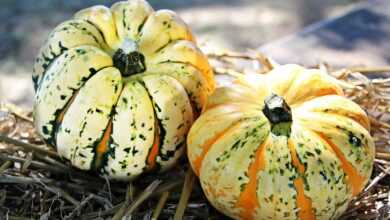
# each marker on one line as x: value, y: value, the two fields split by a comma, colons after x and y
x: 247, y: 172
x: 100, y: 119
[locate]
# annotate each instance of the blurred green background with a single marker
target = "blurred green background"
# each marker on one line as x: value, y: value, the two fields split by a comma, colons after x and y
x: 231, y: 24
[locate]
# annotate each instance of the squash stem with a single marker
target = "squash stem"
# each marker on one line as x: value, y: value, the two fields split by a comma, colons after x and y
x: 128, y: 59
x: 279, y: 115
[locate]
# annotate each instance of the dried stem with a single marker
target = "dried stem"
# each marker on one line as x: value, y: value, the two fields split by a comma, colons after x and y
x: 384, y: 156
x: 79, y: 207
x: 370, y: 69
x: 377, y: 179
x: 34, y: 164
x: 28, y: 146
x: 160, y: 205
x: 15, y: 110
x: 59, y: 191
x: 185, y: 195
x: 142, y: 197
x: 5, y: 166
x: 127, y: 208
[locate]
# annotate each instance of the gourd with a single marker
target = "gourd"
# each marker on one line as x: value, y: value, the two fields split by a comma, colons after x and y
x: 118, y: 88
x: 284, y: 145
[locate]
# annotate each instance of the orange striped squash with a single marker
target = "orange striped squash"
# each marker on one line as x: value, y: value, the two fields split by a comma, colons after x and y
x: 284, y: 145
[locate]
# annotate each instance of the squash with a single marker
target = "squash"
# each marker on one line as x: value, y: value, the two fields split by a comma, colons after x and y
x: 118, y: 88
x: 283, y: 145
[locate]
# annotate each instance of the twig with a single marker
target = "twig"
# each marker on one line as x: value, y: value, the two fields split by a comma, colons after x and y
x: 50, y: 160
x: 16, y: 179
x: 10, y: 217
x: 103, y: 201
x: 385, y: 170
x: 130, y: 193
x: 5, y: 166
x: 264, y: 60
x: 266, y: 63
x: 28, y: 180
x: 167, y: 187
x: 128, y: 200
x: 142, y: 197
x: 108, y: 187
x: 370, y: 69
x: 15, y: 111
x: 164, y: 187
x: 384, y: 156
x: 226, y: 71
x: 185, y: 195
x: 79, y: 207
x: 382, y: 161
x: 377, y: 179
x: 35, y: 164
x: 56, y: 168
x: 28, y: 146
x: 94, y: 215
x: 27, y: 163
x: 60, y: 192
x: 229, y: 54
x: 127, y: 208
x: 160, y: 205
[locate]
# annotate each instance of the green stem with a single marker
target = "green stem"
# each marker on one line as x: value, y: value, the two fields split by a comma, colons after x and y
x: 279, y: 115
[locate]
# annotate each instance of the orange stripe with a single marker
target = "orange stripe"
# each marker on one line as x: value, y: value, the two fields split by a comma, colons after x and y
x: 327, y: 91
x: 210, y: 106
x: 303, y: 203
x: 102, y: 147
x: 361, y: 119
x: 248, y: 200
x: 197, y: 163
x: 313, y: 94
x: 232, y: 106
x: 60, y: 116
x: 358, y: 118
x: 354, y: 179
x: 154, y: 151
x: 294, y: 157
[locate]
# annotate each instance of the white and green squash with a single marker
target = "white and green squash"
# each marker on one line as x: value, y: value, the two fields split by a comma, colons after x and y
x: 118, y: 88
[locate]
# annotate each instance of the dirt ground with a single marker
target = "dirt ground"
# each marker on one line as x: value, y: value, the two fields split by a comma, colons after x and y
x: 234, y: 24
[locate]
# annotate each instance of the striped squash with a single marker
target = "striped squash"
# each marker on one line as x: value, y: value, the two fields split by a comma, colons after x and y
x: 118, y: 88
x: 285, y: 145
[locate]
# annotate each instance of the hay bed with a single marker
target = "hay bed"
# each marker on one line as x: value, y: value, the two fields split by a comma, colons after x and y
x: 36, y: 184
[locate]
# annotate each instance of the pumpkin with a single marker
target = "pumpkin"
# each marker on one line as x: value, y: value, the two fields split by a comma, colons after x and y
x: 118, y: 88
x: 284, y: 145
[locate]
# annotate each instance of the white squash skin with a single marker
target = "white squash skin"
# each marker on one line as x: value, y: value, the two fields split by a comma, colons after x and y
x: 61, y: 80
x: 189, y: 77
x: 87, y: 118
x: 129, y: 16
x: 133, y: 132
x: 174, y: 112
x: 103, y: 19
x: 171, y: 57
x: 168, y: 26
x: 62, y: 39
